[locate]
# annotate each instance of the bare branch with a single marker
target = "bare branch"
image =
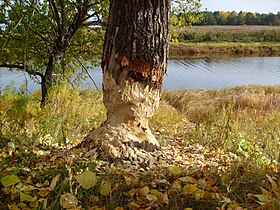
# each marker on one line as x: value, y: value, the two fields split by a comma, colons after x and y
x: 56, y: 15
x: 21, y: 67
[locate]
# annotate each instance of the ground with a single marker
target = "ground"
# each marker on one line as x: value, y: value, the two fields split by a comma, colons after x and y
x: 223, y: 155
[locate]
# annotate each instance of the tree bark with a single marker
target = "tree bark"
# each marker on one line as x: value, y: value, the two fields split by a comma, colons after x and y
x: 134, y: 63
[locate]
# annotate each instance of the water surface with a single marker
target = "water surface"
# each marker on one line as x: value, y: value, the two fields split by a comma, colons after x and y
x: 191, y: 73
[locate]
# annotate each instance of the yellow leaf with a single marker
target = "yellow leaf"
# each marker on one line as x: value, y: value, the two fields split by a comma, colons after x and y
x: 132, y: 192
x: 25, y: 197
x: 29, y: 188
x: 68, y: 201
x: 188, y: 179
x: 202, y: 183
x: 151, y: 197
x: 155, y: 192
x: 54, y: 181
x: 86, y: 179
x: 43, y: 192
x: 119, y: 208
x: 127, y: 180
x: 10, y: 180
x: 175, y: 170
x: 34, y: 204
x: 190, y: 188
x: 199, y: 194
x: 133, y: 206
x: 145, y: 190
x: 13, y: 207
x: 262, y: 198
x: 14, y: 190
x: 105, y: 188
x: 94, y: 199
x: 188, y: 209
x: 163, y: 198
x: 28, y: 180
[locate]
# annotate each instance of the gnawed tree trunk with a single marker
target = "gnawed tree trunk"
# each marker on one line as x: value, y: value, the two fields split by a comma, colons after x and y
x: 134, y: 64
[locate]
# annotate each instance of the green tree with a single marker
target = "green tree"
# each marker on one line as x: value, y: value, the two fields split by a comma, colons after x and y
x: 50, y: 39
x: 232, y: 18
x: 241, y: 19
x: 208, y: 19
x: 250, y: 18
x: 221, y: 17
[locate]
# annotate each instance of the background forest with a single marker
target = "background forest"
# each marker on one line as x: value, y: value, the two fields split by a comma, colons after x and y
x: 234, y: 18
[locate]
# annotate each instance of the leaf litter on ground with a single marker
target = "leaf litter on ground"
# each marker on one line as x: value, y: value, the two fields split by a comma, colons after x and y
x: 179, y: 177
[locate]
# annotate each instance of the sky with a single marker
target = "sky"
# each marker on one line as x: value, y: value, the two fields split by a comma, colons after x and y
x: 260, y: 6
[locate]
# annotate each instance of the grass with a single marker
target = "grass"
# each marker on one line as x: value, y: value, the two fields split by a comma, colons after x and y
x: 232, y: 117
x: 184, y: 50
x: 211, y: 41
x: 241, y: 121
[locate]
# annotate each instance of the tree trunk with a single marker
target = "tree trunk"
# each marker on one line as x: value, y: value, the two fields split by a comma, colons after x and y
x: 47, y: 79
x: 46, y: 82
x: 134, y: 64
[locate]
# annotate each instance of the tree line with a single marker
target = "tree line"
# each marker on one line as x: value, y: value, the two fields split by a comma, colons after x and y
x: 232, y: 18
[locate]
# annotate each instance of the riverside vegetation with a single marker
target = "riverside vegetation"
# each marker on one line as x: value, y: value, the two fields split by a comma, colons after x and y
x: 209, y: 41
x: 224, y: 143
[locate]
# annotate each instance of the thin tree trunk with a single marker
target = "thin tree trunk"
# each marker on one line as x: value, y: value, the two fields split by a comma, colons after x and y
x: 134, y: 64
x: 48, y: 79
x: 46, y: 82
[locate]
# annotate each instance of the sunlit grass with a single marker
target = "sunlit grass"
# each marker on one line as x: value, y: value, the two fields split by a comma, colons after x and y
x: 240, y: 120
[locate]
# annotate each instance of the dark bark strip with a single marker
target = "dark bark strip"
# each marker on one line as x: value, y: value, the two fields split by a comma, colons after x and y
x: 137, y: 35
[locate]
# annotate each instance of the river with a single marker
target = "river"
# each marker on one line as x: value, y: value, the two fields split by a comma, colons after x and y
x: 190, y: 73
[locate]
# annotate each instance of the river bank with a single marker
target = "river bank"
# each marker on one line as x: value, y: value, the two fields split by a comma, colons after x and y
x: 222, y: 49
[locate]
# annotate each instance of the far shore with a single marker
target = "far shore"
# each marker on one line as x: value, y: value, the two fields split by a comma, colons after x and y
x: 222, y: 49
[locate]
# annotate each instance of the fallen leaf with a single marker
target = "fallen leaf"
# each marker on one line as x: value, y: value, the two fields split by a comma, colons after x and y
x: 34, y: 204
x: 189, y: 188
x: 175, y: 170
x: 155, y: 192
x: 192, y: 188
x: 68, y: 201
x: 25, y: 197
x: 86, y: 179
x: 262, y: 198
x: 105, y: 188
x: 133, y: 206
x: 10, y: 180
x: 199, y: 194
x: 202, y: 183
x: 151, y: 197
x: 163, y: 198
x: 211, y: 181
x: 54, y: 181
x: 188, y: 179
x: 28, y: 188
x: 44, y: 192
x: 145, y: 190
x: 94, y: 199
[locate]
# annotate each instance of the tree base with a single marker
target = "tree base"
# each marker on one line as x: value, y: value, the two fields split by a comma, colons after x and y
x: 118, y: 142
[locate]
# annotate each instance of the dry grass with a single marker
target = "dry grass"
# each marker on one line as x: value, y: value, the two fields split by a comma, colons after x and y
x: 228, y: 118
x: 251, y: 97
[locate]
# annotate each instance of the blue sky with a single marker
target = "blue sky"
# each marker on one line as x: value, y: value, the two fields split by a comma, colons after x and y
x: 260, y: 6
